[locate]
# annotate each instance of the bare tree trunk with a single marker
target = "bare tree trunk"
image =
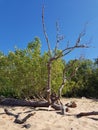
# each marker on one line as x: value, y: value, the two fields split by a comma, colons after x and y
x: 49, y: 82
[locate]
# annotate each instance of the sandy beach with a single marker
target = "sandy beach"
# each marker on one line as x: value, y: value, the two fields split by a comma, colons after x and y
x: 52, y: 120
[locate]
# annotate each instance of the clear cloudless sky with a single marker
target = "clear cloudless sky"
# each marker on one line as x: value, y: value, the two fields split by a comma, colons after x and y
x: 20, y: 22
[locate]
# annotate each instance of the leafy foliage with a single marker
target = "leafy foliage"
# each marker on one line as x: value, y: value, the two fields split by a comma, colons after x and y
x: 84, y: 83
x: 23, y: 74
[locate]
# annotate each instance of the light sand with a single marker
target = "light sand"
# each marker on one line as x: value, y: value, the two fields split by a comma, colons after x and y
x: 53, y: 120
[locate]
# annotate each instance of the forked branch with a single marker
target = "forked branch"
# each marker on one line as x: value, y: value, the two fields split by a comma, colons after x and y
x: 69, y: 49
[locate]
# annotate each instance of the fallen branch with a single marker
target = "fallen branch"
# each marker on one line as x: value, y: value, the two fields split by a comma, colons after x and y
x: 10, y: 113
x: 21, y: 121
x: 17, y: 120
x: 86, y: 114
x: 18, y: 102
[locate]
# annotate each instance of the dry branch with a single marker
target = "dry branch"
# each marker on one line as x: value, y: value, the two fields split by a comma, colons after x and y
x: 17, y: 119
x: 86, y: 114
x: 45, y: 34
x: 21, y: 121
x: 65, y: 78
x: 58, y: 38
x: 10, y: 113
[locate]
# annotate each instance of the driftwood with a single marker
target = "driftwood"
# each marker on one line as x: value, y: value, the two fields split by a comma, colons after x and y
x: 18, y: 102
x: 17, y: 119
x: 86, y: 114
x: 10, y: 113
x: 21, y: 121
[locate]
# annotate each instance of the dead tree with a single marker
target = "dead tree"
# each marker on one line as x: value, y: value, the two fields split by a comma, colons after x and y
x: 51, y: 98
x: 55, y: 56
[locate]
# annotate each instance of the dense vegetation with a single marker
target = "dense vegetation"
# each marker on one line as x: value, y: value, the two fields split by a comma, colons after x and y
x: 23, y: 74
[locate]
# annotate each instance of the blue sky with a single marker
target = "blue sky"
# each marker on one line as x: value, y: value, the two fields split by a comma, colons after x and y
x: 20, y: 22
